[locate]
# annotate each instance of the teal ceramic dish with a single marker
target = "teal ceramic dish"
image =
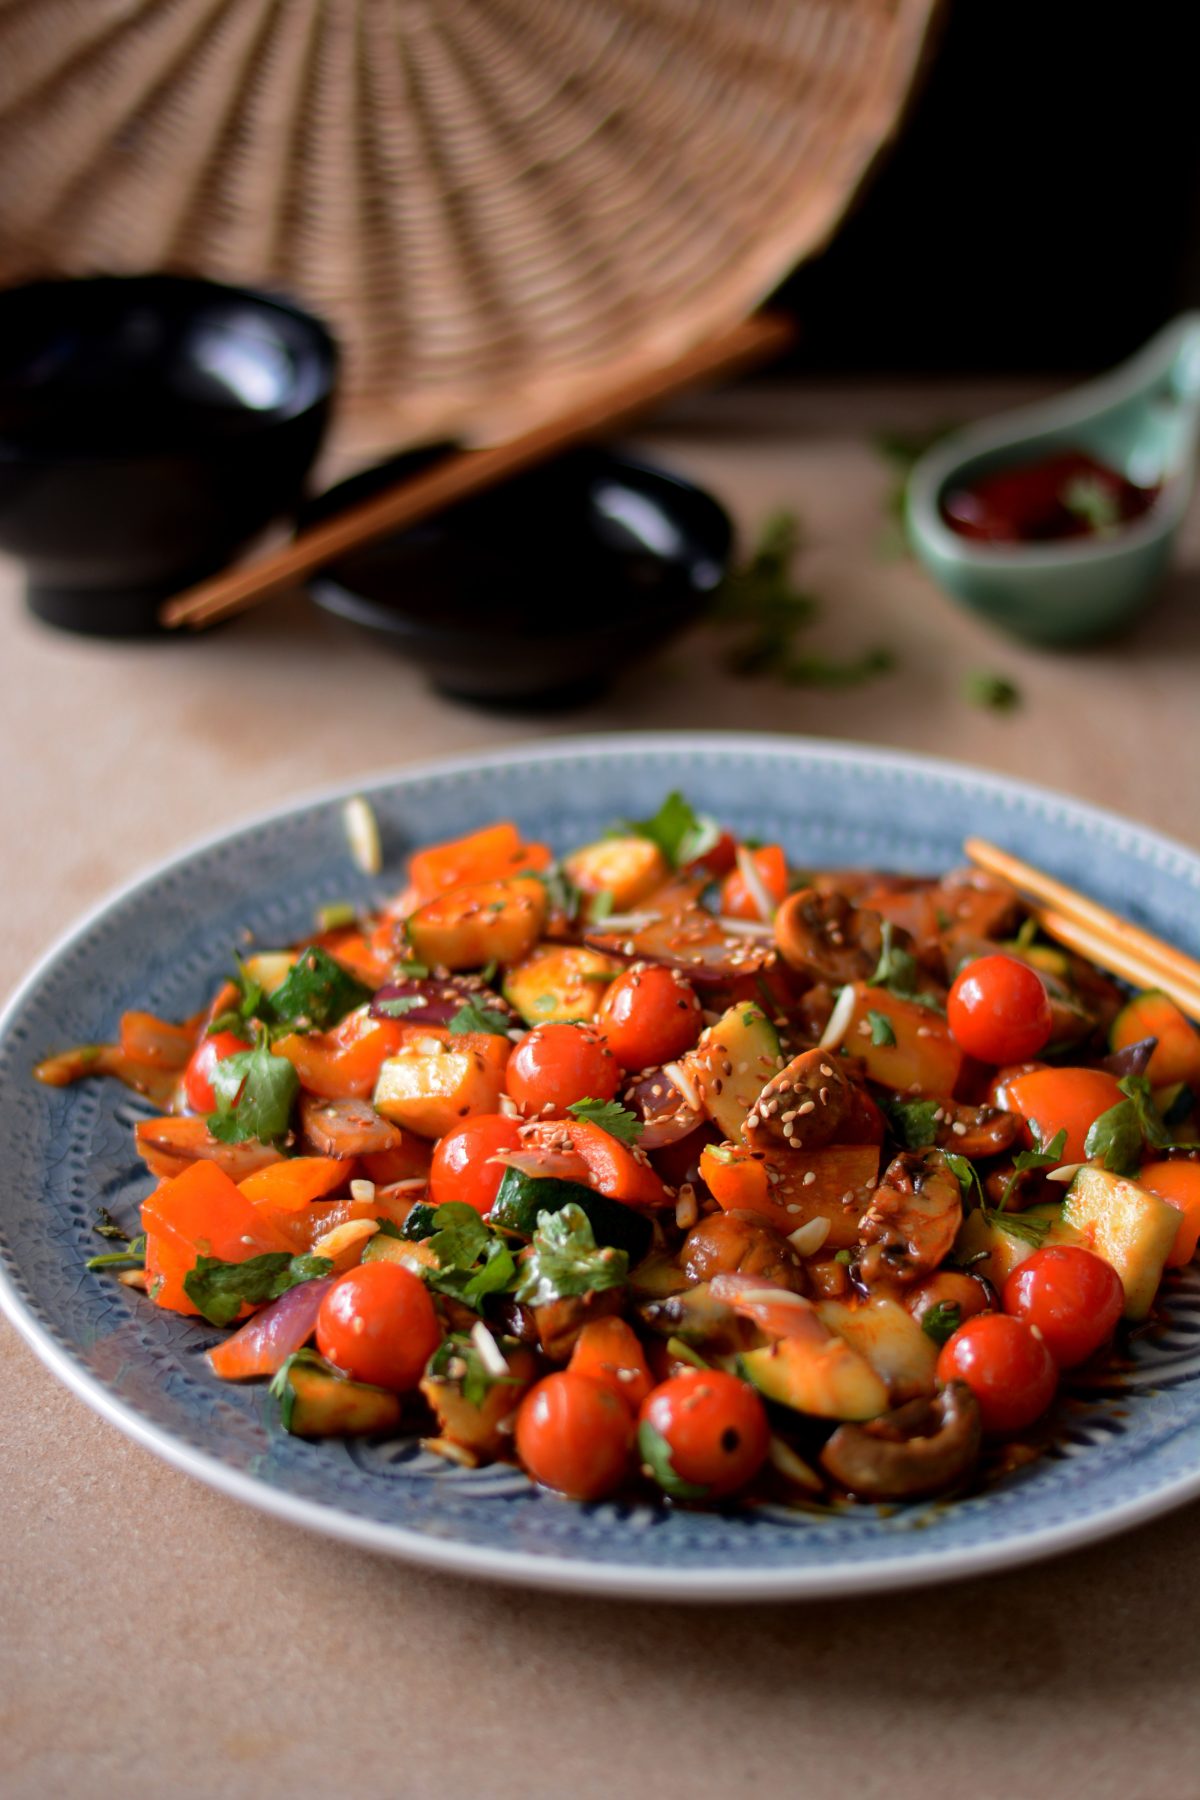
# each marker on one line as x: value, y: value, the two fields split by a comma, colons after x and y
x: 1141, y: 420
x: 1128, y: 1451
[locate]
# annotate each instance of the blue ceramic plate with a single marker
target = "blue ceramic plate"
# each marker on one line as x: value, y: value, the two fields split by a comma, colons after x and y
x: 1131, y: 1451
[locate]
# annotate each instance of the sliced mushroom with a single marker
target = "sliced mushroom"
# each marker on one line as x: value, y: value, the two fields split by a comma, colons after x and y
x: 728, y: 1241
x: 975, y: 1131
x: 829, y: 939
x: 918, y: 1450
x: 913, y: 1219
x: 810, y: 1103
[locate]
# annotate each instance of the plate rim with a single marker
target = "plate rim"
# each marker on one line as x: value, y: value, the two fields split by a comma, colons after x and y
x: 554, y: 1572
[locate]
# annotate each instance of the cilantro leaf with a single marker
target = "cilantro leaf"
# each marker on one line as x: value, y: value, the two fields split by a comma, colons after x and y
x: 421, y: 1222
x: 480, y: 1018
x: 1018, y: 1225
x: 457, y: 1359
x: 1117, y: 1138
x: 896, y: 969
x: 133, y: 1256
x: 562, y: 895
x: 996, y: 693
x: 1046, y: 1156
x: 913, y: 1122
x: 942, y: 1320
x: 250, y: 1004
x: 254, y: 1091
x: 316, y: 992
x: 610, y: 1116
x: 682, y: 834
x: 655, y: 1452
x: 396, y: 1005
x: 563, y: 1260
x: 219, y: 1289
x: 1093, y: 501
x: 881, y: 1029
x: 472, y: 1260
x: 966, y: 1173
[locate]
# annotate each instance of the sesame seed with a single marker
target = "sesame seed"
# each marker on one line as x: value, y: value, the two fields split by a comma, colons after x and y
x: 810, y: 1175
x: 795, y: 1209
x: 958, y: 1128
x: 806, y: 1106
x: 823, y: 1096
x: 924, y: 1030
x: 827, y: 1071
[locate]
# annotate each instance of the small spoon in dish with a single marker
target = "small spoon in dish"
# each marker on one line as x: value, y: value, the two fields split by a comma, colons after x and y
x: 1142, y: 421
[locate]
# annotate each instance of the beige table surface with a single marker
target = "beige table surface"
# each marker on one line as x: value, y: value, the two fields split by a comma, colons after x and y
x: 156, y: 1638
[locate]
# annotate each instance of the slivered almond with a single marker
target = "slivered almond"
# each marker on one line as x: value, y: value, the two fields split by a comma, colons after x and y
x: 344, y: 1244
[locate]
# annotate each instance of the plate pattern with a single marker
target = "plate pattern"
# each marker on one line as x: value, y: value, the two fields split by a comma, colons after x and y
x: 1132, y: 1443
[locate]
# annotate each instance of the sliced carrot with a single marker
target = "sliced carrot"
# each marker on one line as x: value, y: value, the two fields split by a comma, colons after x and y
x: 287, y: 1186
x: 1178, y: 1183
x: 609, y: 1166
x: 737, y: 902
x: 492, y: 854
x: 1176, y: 1055
x: 342, y: 1064
x: 609, y: 1352
x: 363, y: 955
x: 204, y: 1211
x: 922, y: 1056
x: 166, y: 1265
x: 1069, y: 1100
x: 147, y: 1039
x: 830, y: 1184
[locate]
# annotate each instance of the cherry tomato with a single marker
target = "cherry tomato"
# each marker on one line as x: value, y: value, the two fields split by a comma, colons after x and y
x: 737, y: 902
x: 999, y: 1010
x: 462, y: 1166
x: 1069, y: 1100
x: 555, y: 1065
x: 377, y: 1323
x: 1072, y: 1296
x: 1007, y: 1367
x: 197, y: 1077
x: 714, y: 1426
x: 574, y: 1435
x: 649, y: 1015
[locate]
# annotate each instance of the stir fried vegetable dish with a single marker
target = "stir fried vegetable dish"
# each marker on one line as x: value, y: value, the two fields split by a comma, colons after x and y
x: 666, y: 1166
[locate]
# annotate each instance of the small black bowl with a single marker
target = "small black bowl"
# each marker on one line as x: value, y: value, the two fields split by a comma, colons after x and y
x: 149, y: 426
x: 538, y: 592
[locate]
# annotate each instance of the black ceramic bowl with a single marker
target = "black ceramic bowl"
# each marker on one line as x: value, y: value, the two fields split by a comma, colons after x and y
x: 541, y: 591
x: 149, y: 426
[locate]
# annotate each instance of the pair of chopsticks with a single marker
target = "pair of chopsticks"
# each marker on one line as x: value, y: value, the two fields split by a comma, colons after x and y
x: 1083, y: 925
x: 466, y: 472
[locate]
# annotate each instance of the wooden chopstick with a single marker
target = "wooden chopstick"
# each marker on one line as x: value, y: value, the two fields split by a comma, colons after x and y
x: 468, y: 472
x: 1092, y: 930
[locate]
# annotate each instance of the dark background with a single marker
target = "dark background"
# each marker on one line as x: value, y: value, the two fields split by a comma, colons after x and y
x: 1042, y: 207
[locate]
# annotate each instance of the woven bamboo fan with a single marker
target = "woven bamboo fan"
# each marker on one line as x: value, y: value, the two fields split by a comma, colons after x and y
x: 497, y: 204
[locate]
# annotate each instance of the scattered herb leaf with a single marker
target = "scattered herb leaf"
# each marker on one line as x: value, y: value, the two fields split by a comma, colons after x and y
x: 881, y: 1029
x: 996, y: 693
x: 942, y: 1320
x: 913, y: 1122
x: 254, y: 1091
x: 480, y: 1018
x: 682, y: 834
x: 219, y: 1289
x: 610, y: 1116
x: 655, y: 1452
x: 563, y: 1260
x: 316, y: 992
x: 457, y: 1359
x: 472, y: 1261
x: 1093, y: 501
